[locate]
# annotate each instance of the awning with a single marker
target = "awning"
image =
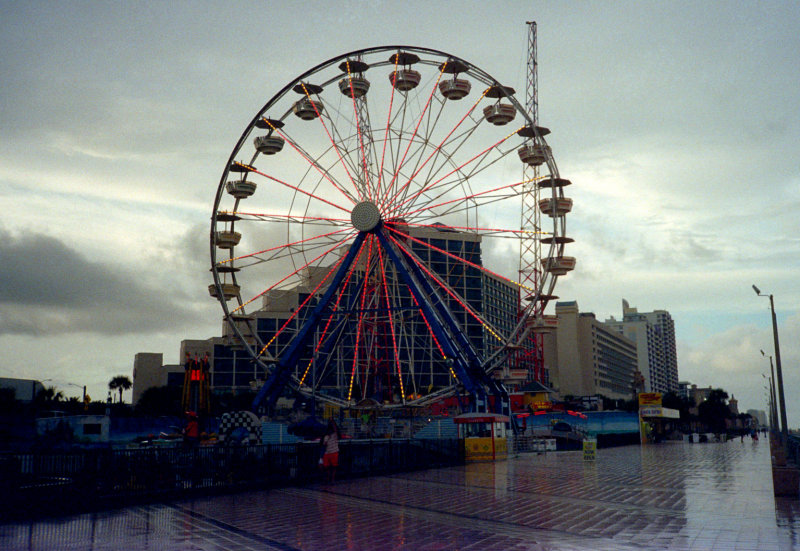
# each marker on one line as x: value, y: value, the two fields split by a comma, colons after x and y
x: 659, y: 411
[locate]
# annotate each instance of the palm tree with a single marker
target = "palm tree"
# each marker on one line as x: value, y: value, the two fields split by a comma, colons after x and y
x: 120, y: 383
x: 50, y: 394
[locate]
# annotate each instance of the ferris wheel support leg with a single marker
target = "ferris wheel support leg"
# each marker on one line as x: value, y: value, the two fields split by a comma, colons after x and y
x: 502, y: 404
x: 334, y: 335
x: 459, y: 363
x: 277, y: 380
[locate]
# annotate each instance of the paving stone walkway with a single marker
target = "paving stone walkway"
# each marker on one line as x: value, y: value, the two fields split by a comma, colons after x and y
x: 669, y: 496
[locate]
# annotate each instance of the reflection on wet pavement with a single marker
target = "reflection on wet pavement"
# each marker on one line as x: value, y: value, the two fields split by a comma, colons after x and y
x: 668, y: 496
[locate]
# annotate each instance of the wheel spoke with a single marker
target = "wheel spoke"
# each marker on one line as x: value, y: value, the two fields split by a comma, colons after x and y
x: 333, y: 142
x: 280, y: 247
x: 264, y: 217
x: 391, y: 325
x: 273, y: 286
x: 330, y: 318
x: 460, y: 259
x: 415, y: 314
x: 416, y: 128
x: 304, y: 192
x: 438, y: 149
x: 360, y: 323
x: 447, y: 289
x: 458, y: 168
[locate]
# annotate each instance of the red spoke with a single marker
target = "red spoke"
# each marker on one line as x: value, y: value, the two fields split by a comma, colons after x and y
x: 300, y: 308
x: 461, y: 199
x: 416, y: 129
x: 433, y: 277
x: 335, y: 309
x: 360, y: 319
x: 466, y: 228
x: 299, y: 190
x: 333, y: 142
x: 428, y: 325
x: 391, y: 325
x: 250, y: 255
x: 289, y: 217
x: 432, y: 184
x: 312, y: 162
x: 307, y: 264
x: 463, y: 260
x: 438, y: 148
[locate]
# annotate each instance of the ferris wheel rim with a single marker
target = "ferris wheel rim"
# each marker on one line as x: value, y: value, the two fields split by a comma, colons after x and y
x: 473, y: 70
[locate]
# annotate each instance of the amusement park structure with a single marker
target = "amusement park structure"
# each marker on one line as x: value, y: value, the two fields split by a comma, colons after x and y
x: 355, y: 221
x: 529, y: 359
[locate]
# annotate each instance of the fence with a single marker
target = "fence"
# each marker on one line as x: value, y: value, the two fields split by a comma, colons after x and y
x: 41, y: 483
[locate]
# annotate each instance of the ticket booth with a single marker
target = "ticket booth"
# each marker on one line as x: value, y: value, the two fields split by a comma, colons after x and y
x: 484, y: 436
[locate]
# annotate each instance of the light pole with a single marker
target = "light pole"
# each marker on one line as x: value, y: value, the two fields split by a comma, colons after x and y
x: 782, y: 405
x: 774, y: 410
x: 80, y: 386
x: 768, y: 396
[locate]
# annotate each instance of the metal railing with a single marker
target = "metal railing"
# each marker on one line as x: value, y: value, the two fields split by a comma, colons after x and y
x: 40, y: 483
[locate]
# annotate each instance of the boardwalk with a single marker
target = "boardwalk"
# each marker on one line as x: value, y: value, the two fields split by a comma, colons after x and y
x: 670, y: 496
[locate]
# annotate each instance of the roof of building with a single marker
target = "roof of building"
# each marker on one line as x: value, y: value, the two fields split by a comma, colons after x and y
x: 535, y: 386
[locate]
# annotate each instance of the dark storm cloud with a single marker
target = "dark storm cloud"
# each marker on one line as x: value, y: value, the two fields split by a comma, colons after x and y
x: 48, y: 288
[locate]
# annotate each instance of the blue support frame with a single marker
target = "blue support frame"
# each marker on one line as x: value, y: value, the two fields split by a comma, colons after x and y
x: 277, y: 380
x: 474, y: 364
x: 329, y: 342
x: 460, y: 363
x: 456, y: 346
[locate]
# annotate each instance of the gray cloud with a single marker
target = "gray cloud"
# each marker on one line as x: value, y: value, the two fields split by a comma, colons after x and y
x: 50, y: 288
x: 677, y: 123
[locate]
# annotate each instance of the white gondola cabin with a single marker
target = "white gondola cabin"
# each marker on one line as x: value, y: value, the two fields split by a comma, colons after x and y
x: 555, y: 207
x: 269, y: 145
x: 241, y: 189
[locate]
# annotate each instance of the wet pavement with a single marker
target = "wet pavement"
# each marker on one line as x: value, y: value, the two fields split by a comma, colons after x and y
x: 668, y: 496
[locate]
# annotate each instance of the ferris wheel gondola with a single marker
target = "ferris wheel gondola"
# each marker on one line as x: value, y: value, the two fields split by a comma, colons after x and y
x: 362, y: 222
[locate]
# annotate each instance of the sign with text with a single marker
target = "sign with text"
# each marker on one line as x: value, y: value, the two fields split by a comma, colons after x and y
x: 649, y: 399
x: 658, y: 411
x: 590, y: 449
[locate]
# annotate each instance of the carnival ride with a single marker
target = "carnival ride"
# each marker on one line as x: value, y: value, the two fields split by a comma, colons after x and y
x: 355, y: 219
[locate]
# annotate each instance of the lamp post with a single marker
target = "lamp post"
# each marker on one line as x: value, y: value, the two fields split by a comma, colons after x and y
x: 768, y: 396
x: 774, y: 410
x: 83, y: 398
x: 782, y: 405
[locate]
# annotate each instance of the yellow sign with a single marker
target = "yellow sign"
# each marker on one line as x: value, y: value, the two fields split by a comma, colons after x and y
x: 589, y: 449
x: 650, y: 399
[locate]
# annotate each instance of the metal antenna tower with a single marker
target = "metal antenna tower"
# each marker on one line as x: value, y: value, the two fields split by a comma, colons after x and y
x: 530, y: 247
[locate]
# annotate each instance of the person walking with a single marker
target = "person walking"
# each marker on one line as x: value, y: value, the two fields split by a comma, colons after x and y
x: 330, y: 445
x: 191, y: 434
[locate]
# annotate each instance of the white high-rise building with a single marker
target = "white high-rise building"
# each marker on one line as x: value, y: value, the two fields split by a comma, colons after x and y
x: 654, y: 334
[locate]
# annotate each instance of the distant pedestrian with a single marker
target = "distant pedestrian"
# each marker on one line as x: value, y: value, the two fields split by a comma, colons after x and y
x: 330, y: 445
x: 191, y: 434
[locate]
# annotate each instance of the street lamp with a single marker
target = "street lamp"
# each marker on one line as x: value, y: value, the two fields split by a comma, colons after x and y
x: 774, y: 410
x: 80, y: 386
x: 768, y: 396
x: 784, y: 426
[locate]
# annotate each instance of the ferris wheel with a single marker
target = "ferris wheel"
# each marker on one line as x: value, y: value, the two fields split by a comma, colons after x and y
x: 362, y: 237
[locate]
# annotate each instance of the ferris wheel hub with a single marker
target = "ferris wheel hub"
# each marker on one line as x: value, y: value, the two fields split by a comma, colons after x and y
x: 365, y: 216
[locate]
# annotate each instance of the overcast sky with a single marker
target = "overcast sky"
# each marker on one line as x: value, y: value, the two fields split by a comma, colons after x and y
x: 677, y: 122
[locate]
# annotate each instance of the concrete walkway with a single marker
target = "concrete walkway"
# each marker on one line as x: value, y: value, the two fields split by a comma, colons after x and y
x: 668, y: 496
